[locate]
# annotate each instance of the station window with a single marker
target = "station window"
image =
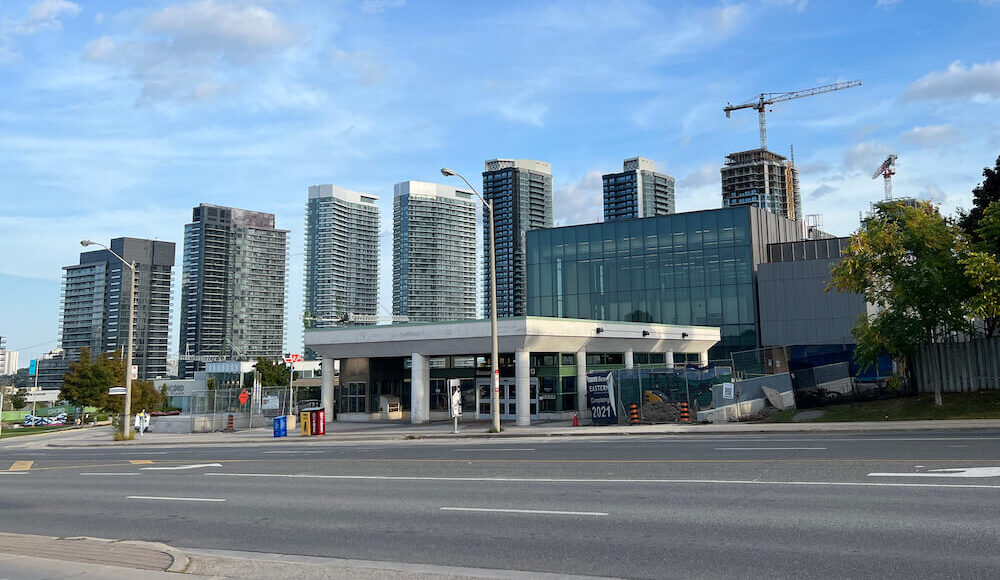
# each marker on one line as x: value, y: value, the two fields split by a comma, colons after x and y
x: 567, y: 360
x: 568, y: 393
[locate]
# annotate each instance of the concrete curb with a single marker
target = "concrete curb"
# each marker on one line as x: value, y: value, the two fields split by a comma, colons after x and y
x: 633, y: 431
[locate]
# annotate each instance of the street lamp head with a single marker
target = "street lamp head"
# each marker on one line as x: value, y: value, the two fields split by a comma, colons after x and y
x: 86, y: 243
x: 447, y: 172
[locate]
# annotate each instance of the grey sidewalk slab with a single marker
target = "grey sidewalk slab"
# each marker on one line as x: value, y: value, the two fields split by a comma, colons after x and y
x: 349, y: 433
x: 88, y: 552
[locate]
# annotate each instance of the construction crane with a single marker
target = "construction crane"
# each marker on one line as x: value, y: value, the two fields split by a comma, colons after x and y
x: 887, y: 170
x: 764, y: 100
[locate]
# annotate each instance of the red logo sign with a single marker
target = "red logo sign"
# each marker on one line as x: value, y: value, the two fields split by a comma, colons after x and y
x: 244, y: 397
x: 293, y: 358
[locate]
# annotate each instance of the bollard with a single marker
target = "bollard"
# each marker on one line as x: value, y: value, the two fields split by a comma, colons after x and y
x: 685, y: 416
x: 633, y: 414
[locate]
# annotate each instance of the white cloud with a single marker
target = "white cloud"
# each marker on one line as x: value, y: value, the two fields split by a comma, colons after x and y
x: 517, y: 101
x: 707, y: 174
x: 49, y: 11
x: 957, y: 82
x: 380, y: 6
x: 369, y: 69
x: 195, y: 52
x: 797, y: 5
x: 99, y: 49
x: 930, y: 135
x: 238, y: 32
x: 44, y: 15
x: 581, y: 202
x: 865, y: 157
x: 886, y: 3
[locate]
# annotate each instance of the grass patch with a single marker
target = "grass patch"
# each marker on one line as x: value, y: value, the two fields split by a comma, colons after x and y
x: 980, y: 405
x: 9, y: 432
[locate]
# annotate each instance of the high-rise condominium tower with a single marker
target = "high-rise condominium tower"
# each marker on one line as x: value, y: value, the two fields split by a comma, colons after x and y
x: 95, y: 308
x: 233, y: 287
x: 763, y: 179
x: 638, y: 191
x: 521, y: 193
x: 433, y: 252
x: 341, y: 256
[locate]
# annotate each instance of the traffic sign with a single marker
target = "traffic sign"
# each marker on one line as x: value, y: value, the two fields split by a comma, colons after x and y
x: 32, y: 367
x: 116, y: 391
x: 244, y: 397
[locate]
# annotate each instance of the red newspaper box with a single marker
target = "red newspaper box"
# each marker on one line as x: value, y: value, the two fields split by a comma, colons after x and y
x: 321, y: 414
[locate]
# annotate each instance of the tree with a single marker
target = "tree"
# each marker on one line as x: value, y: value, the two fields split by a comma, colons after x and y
x: 981, y: 261
x: 87, y: 382
x: 984, y: 194
x: 18, y: 400
x: 163, y: 397
x: 272, y: 374
x: 904, y: 260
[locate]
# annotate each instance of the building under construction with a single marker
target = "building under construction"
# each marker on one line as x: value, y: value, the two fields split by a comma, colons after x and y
x: 763, y: 179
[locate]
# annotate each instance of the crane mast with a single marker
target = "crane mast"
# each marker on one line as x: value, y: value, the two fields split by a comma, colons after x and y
x: 887, y: 170
x: 762, y: 101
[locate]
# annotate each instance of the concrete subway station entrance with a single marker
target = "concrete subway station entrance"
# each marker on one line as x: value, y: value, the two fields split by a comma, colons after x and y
x: 397, y: 372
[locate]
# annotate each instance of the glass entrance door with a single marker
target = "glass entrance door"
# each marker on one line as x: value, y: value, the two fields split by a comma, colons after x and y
x: 508, y: 398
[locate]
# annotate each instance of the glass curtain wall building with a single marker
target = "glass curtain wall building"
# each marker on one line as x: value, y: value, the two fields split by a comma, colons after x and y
x: 433, y: 252
x: 233, y: 286
x: 521, y: 193
x: 638, y: 191
x: 695, y: 268
x: 95, y: 309
x: 341, y: 256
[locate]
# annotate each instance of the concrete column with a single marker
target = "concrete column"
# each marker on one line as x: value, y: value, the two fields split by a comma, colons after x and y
x: 629, y: 357
x: 581, y: 384
x: 668, y: 359
x: 703, y: 358
x: 327, y: 389
x: 420, y: 389
x: 522, y: 377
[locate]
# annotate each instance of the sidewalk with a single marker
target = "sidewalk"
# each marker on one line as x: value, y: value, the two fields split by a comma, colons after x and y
x: 361, y: 432
x: 30, y: 557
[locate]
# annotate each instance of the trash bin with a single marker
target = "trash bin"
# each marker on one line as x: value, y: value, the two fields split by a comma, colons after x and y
x: 280, y: 426
x: 306, y: 423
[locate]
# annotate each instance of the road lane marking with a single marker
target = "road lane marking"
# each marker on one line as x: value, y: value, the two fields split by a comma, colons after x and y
x: 487, y: 449
x: 109, y: 473
x: 140, y: 461
x: 153, y: 497
x: 948, y: 472
x: 195, y: 466
x: 770, y: 448
x: 615, y: 481
x: 21, y: 466
x: 294, y: 452
x: 513, y: 511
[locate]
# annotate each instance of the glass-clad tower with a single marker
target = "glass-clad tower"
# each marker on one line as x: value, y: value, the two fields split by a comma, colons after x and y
x: 433, y: 252
x: 638, y: 191
x: 233, y: 286
x: 521, y: 193
x: 95, y: 307
x: 341, y: 256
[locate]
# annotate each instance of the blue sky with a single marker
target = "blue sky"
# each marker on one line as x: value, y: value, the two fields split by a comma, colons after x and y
x: 118, y: 117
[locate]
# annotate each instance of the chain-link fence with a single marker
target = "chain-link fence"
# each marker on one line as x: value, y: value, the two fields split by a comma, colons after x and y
x: 235, y: 409
x: 658, y: 393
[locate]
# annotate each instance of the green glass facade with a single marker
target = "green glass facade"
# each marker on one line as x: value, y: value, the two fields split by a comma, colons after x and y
x: 695, y: 268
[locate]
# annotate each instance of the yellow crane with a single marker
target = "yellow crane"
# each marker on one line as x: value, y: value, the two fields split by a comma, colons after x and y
x: 764, y: 100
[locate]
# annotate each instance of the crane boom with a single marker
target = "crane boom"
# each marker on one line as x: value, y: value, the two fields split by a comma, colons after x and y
x: 764, y: 99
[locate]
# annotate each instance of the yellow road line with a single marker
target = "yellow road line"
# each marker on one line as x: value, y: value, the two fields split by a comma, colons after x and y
x: 21, y: 466
x: 140, y: 461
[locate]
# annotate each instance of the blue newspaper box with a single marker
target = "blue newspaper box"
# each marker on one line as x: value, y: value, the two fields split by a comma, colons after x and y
x: 281, y: 426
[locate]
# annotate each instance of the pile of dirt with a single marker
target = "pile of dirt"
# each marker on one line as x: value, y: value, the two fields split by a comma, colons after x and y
x: 661, y: 412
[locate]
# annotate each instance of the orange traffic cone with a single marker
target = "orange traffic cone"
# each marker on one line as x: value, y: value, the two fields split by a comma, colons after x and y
x: 576, y: 422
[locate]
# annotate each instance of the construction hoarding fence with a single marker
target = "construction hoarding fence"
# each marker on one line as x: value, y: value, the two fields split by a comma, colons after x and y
x: 209, y: 411
x: 658, y: 393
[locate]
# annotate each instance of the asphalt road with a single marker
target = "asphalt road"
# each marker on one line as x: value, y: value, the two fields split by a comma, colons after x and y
x: 802, y: 506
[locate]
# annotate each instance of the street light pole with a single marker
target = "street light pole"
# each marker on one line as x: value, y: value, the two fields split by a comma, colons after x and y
x: 495, y: 354
x: 126, y: 426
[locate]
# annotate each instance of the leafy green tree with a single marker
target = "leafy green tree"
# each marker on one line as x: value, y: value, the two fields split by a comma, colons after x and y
x: 18, y: 400
x: 984, y: 194
x: 904, y: 260
x: 981, y: 261
x: 88, y: 380
x: 210, y: 384
x: 271, y: 373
